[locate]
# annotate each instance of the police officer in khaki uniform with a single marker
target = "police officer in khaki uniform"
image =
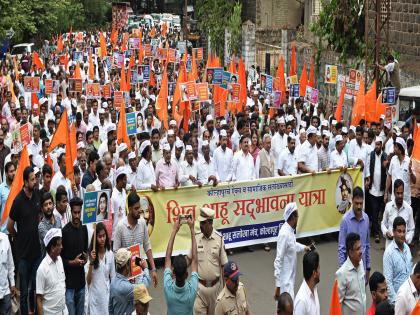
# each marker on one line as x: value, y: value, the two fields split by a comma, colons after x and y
x: 232, y: 299
x: 211, y: 260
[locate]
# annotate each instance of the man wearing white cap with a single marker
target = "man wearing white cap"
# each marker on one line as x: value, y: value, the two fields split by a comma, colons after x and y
x: 308, y: 155
x: 188, y: 169
x: 287, y: 162
x: 338, y: 159
x: 287, y: 248
x: 214, y: 135
x: 132, y: 169
x: 50, y: 277
x: 223, y: 158
x: 323, y: 152
x: 178, y: 153
x: 400, y: 168
x: 166, y: 171
x: 146, y: 178
x: 279, y: 140
x: 206, y: 171
x: 102, y: 125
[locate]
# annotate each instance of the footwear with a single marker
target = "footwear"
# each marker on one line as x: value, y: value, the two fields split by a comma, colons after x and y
x: 377, y: 240
x: 267, y: 247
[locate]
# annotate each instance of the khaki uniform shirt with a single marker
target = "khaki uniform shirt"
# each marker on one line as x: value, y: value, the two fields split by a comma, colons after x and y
x: 230, y: 304
x: 211, y: 255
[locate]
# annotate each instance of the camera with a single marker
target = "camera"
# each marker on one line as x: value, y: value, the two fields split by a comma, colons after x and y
x: 183, y: 218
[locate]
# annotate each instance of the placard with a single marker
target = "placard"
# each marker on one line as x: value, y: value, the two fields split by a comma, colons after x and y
x: 134, y: 43
x: 16, y: 140
x: 118, y: 99
x: 188, y: 92
x: 215, y: 75
x: 135, y: 253
x: 172, y: 55
x: 266, y: 83
x: 189, y: 64
x: 311, y: 94
x: 198, y: 53
x: 294, y: 90
x: 355, y: 76
x: 75, y: 85
x: 202, y: 91
x: 292, y: 80
x: 25, y: 137
x: 148, y: 50
x: 171, y: 88
x: 96, y: 206
x: 146, y: 73
x: 131, y: 123
x: 389, y: 95
x: 93, y: 90
x: 276, y: 98
x: 330, y: 74
x: 134, y: 77
x: 78, y: 56
x: 31, y: 84
x: 234, y: 92
x: 106, y: 91
x: 48, y: 86
x: 162, y: 53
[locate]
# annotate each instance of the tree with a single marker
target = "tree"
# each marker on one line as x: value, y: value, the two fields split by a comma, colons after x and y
x: 235, y: 30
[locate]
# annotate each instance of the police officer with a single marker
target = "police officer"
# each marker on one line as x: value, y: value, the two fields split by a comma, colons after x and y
x: 232, y: 299
x: 211, y: 259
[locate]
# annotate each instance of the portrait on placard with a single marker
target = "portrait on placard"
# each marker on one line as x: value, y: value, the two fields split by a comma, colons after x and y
x: 343, y: 193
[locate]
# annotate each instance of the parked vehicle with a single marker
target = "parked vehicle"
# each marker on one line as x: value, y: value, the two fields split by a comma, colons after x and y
x: 20, y: 49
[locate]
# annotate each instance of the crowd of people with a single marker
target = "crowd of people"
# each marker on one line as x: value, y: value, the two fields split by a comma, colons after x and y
x: 61, y: 266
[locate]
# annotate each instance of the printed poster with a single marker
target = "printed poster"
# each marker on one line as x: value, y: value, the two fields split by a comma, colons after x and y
x: 134, y: 77
x: 130, y: 119
x: 276, y: 98
x: 330, y: 74
x: 75, y: 85
x: 96, y: 206
x: 202, y: 91
x: 135, y: 253
x: 311, y: 94
x: 48, y: 86
x: 146, y: 73
x: 188, y: 92
x: 31, y: 84
x: 93, y: 90
x: 148, y: 50
x: 172, y: 55
x: 118, y: 99
x: 16, y: 140
x: 294, y: 90
x: 198, y: 52
x: 225, y: 79
x: 234, y: 92
x: 25, y: 137
x: 106, y: 91
x: 292, y: 80
x: 389, y: 95
x: 215, y: 75
x: 134, y: 43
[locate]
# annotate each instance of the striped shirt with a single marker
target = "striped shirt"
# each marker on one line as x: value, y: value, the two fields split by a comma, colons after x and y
x: 126, y: 236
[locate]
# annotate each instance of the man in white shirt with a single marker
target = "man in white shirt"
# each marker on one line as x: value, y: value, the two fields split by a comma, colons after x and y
x: 146, y: 178
x: 223, y: 159
x: 358, y: 151
x: 132, y: 169
x: 306, y: 301
x: 60, y: 178
x: 7, y: 275
x: 50, y: 277
x: 188, y: 169
x: 338, y: 159
x: 243, y: 162
x: 206, y: 171
x: 279, y: 140
x: 400, y: 168
x: 308, y: 153
x: 351, y: 278
x: 287, y: 249
x: 287, y: 162
x: 118, y: 198
x: 397, y: 208
x: 408, y: 294
x: 94, y: 115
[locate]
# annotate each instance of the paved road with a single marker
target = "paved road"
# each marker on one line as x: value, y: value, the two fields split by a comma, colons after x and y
x: 257, y: 269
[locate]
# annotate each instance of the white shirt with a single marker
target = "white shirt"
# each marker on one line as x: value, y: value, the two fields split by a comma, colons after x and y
x: 377, y: 170
x: 118, y: 200
x: 306, y: 302
x: 235, y: 140
x: 278, y: 144
x: 94, y: 119
x: 131, y: 176
x: 357, y: 152
x: 390, y: 213
x: 223, y: 163
x: 407, y: 298
x: 59, y: 180
x: 287, y: 162
x: 205, y: 170
x: 338, y: 160
x: 186, y: 170
x: 308, y: 154
x: 145, y: 175
x: 400, y: 170
x: 243, y: 167
x: 97, y: 184
x: 285, y: 262
x: 36, y: 148
x: 7, y: 267
x: 50, y: 282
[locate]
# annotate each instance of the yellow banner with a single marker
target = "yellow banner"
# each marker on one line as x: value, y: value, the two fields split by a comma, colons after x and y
x: 250, y: 212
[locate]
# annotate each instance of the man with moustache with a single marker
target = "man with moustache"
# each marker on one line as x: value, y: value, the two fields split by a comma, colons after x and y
x: 49, y: 219
x: 223, y: 158
x: 287, y: 162
x: 9, y: 174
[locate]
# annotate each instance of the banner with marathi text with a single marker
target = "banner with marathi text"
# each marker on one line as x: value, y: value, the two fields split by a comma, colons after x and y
x: 251, y: 212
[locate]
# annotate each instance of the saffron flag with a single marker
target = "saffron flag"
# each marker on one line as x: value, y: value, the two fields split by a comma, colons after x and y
x: 335, y: 307
x: 60, y: 43
x: 303, y: 81
x: 91, y: 68
x: 416, y: 309
x: 123, y: 82
x: 36, y: 61
x: 416, y: 149
x: 359, y: 107
x: 103, y: 44
x: 339, y: 109
x: 162, y: 101
x: 311, y: 82
x: 69, y: 157
x: 60, y: 133
x: 17, y: 183
x: 370, y: 103
x: 232, y: 66
x: 242, y: 82
x: 122, y: 135
x: 77, y: 72
x: 292, y: 70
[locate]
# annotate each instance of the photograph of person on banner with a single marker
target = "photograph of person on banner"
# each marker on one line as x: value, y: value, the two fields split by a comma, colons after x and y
x: 102, y: 211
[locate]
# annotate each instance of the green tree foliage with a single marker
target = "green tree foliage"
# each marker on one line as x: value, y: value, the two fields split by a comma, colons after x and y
x: 341, y: 27
x: 36, y: 20
x: 216, y: 15
x: 235, y: 30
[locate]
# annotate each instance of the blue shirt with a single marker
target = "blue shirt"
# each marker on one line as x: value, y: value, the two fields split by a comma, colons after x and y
x: 397, y: 267
x: 349, y: 224
x: 180, y: 300
x: 4, y: 193
x: 121, y: 297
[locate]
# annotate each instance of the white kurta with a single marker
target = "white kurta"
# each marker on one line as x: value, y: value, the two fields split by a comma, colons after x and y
x: 223, y: 162
x: 285, y: 262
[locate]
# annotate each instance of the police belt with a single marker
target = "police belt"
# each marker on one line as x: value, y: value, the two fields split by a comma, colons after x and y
x: 209, y: 283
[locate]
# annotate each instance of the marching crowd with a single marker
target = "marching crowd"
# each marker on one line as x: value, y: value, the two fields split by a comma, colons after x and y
x: 51, y: 263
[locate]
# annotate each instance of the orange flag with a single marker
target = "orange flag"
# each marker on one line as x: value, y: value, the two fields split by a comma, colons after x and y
x: 123, y: 82
x: 17, y: 183
x: 60, y: 43
x: 34, y: 100
x: 153, y: 32
x: 114, y: 37
x: 416, y: 150
x: 177, y: 93
x: 415, y: 129
x: 335, y: 307
x: 152, y: 81
x: 103, y: 44
x: 77, y: 72
x: 370, y: 101
x: 303, y: 81
x: 69, y: 156
x: 36, y: 61
x: 131, y: 64
x: 50, y: 163
x: 73, y: 142
x: 91, y: 68
x: 15, y: 65
x: 60, y: 133
x: 340, y: 103
x: 122, y: 135
x: 311, y: 82
x: 232, y: 66
x: 164, y: 29
x: 359, y: 107
x: 141, y: 54
x: 194, y: 71
x: 380, y: 108
x: 162, y: 101
x: 292, y: 70
x: 242, y: 82
x: 124, y: 42
x: 416, y: 309
x: 280, y: 76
